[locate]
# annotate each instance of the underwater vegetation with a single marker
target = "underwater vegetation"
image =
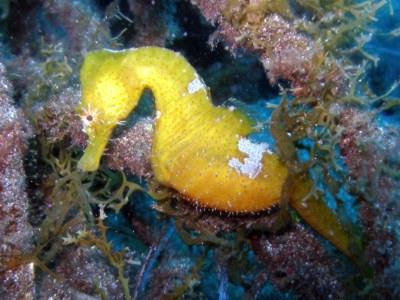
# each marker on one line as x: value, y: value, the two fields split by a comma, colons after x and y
x: 134, y: 173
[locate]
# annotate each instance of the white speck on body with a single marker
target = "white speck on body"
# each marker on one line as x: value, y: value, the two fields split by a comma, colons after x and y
x: 252, y: 164
x: 158, y: 114
x: 195, y: 85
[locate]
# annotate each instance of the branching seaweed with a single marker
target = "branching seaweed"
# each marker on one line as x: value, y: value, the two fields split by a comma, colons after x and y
x: 116, y: 259
x: 70, y: 219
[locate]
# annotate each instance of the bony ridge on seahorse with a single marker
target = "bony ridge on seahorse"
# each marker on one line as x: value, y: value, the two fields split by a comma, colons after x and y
x: 200, y: 150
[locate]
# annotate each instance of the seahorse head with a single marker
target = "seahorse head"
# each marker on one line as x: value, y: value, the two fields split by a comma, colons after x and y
x: 108, y: 95
x: 106, y: 89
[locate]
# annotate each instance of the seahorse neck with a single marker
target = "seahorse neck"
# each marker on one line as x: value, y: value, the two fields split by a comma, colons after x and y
x: 169, y: 77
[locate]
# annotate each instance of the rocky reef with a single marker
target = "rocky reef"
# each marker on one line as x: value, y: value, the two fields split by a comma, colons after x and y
x: 16, y: 233
x: 318, y: 79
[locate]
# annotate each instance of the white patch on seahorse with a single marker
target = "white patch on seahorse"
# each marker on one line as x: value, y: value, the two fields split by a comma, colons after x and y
x: 195, y: 85
x: 252, y: 164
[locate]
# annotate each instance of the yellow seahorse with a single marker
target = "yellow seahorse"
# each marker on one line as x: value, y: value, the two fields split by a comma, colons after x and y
x: 199, y: 149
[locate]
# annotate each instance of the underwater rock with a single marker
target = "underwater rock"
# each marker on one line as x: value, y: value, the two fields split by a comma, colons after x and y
x: 57, y: 119
x: 369, y: 149
x: 269, y: 30
x: 44, y: 56
x: 131, y: 150
x: 297, y: 262
x: 16, y: 234
x: 72, y: 18
x: 85, y: 275
x: 76, y: 26
x: 176, y: 274
x: 149, y: 12
x: 358, y: 142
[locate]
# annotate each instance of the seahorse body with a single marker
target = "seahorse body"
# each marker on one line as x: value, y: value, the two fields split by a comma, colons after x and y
x: 199, y: 149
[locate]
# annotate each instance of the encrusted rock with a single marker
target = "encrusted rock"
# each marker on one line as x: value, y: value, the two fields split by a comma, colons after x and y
x: 16, y: 278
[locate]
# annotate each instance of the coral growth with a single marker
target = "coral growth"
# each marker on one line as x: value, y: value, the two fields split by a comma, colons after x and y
x: 16, y: 234
x: 362, y: 139
x: 58, y: 121
x: 85, y: 273
x: 62, y: 23
x: 131, y: 150
x: 285, y: 52
x: 296, y: 261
